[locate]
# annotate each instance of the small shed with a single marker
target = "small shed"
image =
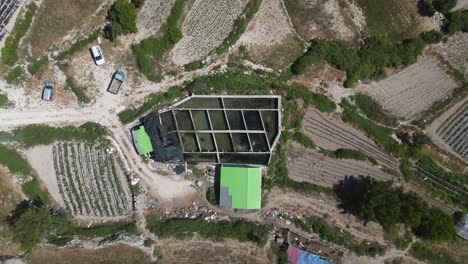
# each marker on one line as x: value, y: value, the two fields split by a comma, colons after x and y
x: 240, y: 187
x: 462, y: 228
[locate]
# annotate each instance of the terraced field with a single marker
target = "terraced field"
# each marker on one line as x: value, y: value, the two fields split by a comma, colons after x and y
x: 414, y: 89
x: 207, y: 24
x: 450, y: 130
x: 7, y: 12
x: 331, y: 133
x: 89, y: 181
x: 310, y: 166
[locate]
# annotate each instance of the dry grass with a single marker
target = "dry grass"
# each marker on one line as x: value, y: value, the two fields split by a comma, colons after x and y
x: 10, y: 196
x: 58, y: 18
x: 117, y: 254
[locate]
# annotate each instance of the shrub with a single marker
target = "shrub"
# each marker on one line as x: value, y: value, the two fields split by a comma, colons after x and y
x: 443, y: 6
x: 15, y: 75
x: 77, y: 91
x: 303, y: 139
x: 4, y: 102
x: 348, y: 154
x: 457, y: 21
x: 193, y: 66
x: 38, y: 65
x: 431, y: 37
x: 373, y: 110
x: 137, y: 3
x: 77, y: 46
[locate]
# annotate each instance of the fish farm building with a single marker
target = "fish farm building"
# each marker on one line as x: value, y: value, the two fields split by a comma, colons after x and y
x: 212, y: 129
x: 240, y: 187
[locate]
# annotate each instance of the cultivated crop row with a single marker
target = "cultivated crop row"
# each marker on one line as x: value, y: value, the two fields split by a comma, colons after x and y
x: 208, y: 23
x: 89, y: 182
x: 7, y: 10
x: 331, y: 133
x: 455, y: 133
x: 311, y: 166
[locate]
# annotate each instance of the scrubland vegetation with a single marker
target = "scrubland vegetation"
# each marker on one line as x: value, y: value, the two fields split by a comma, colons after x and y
x: 151, y: 49
x: 217, y: 231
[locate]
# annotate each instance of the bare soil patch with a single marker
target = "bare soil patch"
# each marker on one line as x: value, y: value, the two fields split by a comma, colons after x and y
x: 203, y: 251
x: 206, y: 26
x: 413, y: 90
x: 270, y: 39
x: 41, y: 160
x: 59, y: 21
x: 300, y: 205
x: 119, y: 253
x: 455, y: 51
x: 10, y: 196
x: 331, y: 133
x: 306, y: 165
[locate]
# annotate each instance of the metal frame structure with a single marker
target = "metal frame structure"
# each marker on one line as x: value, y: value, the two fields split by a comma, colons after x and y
x: 212, y: 132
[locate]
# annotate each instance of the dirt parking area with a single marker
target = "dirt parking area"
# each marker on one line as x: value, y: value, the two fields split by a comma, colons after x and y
x: 116, y: 254
x: 413, y: 90
x: 10, y: 196
x: 301, y: 205
x: 306, y: 165
x: 203, y: 251
x: 331, y: 133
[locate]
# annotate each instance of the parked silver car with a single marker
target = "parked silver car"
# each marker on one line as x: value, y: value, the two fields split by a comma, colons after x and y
x: 48, y: 92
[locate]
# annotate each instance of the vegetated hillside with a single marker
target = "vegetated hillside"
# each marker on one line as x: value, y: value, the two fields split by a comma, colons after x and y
x: 10, y: 195
x: 394, y: 19
x: 269, y: 38
x: 334, y: 19
x: 206, y: 26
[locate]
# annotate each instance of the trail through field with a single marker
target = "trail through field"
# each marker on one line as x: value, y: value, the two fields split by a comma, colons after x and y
x: 331, y: 133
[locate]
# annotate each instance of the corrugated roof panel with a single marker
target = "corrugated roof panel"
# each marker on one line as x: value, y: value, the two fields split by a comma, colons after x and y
x: 245, y: 186
x: 143, y: 141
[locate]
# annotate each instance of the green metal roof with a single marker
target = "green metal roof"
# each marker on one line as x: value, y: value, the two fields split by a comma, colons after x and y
x: 245, y: 186
x: 144, y: 141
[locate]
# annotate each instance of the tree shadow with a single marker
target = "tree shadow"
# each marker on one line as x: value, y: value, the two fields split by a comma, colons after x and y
x: 22, y: 207
x: 351, y: 192
x: 425, y: 8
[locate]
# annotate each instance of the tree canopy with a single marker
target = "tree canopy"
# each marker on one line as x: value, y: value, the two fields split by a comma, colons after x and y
x: 122, y: 16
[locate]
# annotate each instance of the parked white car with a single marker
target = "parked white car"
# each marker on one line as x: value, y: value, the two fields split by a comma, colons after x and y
x: 97, y: 55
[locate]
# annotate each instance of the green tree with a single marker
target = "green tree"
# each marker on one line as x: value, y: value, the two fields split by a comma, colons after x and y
x: 122, y: 16
x: 412, y: 209
x: 29, y: 226
x: 382, y: 204
x: 436, y: 225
